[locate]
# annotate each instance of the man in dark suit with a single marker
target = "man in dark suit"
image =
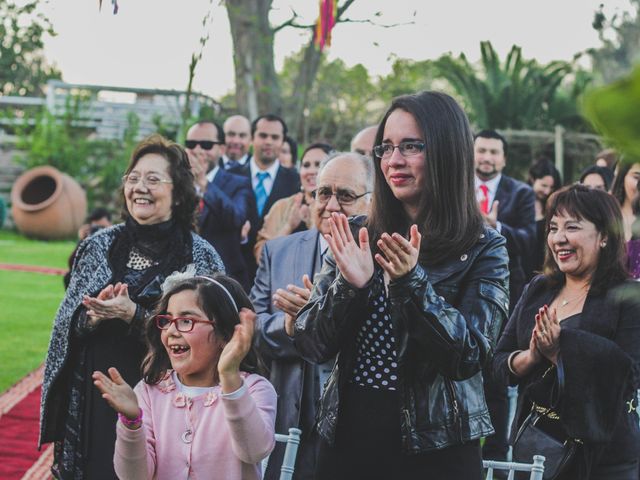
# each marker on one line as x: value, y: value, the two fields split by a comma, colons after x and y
x: 507, y: 205
x: 269, y: 180
x: 225, y: 198
x: 279, y: 292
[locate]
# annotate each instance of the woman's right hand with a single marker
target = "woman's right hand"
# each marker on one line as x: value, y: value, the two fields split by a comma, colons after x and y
x: 354, y: 261
x: 534, y: 353
x: 118, y: 394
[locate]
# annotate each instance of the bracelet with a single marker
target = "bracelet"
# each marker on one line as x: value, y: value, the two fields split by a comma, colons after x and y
x: 131, y: 424
x: 510, y: 362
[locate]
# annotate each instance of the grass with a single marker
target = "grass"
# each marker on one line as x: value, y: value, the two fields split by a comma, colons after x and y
x: 29, y: 302
x: 15, y: 248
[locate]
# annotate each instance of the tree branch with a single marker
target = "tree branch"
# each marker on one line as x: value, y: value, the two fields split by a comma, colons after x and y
x: 290, y: 23
x: 370, y: 22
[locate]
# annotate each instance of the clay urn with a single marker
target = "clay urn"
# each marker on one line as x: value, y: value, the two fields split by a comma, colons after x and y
x: 48, y: 204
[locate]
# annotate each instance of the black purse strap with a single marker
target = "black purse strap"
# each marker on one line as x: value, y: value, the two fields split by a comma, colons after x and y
x: 558, y: 387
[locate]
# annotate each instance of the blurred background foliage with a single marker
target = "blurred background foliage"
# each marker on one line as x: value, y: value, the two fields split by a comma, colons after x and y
x: 512, y: 93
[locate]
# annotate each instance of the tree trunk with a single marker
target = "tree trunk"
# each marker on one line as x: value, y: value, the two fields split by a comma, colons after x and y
x: 257, y: 87
x: 302, y: 87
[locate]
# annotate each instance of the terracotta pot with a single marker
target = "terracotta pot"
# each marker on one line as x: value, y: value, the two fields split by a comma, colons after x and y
x: 48, y: 204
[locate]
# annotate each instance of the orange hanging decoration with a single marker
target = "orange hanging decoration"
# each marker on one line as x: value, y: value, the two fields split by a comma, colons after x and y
x: 326, y: 22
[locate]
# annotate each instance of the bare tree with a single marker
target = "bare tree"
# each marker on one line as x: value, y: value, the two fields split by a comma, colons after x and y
x: 257, y: 86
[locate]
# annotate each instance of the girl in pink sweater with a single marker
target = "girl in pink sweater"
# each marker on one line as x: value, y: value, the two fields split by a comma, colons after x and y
x: 200, y: 411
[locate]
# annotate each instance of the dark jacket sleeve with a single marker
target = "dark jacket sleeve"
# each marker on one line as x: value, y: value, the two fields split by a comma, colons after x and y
x: 270, y: 336
x: 332, y: 311
x: 602, y: 370
x: 509, y: 341
x: 520, y: 230
x: 225, y: 212
x: 459, y: 339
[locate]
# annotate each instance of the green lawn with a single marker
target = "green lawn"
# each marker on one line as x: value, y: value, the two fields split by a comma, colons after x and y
x: 28, y: 302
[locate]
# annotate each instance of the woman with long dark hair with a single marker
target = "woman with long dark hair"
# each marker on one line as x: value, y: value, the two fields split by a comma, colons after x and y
x: 411, y: 308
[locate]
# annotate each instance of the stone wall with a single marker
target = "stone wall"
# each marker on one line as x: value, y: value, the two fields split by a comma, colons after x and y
x: 9, y: 171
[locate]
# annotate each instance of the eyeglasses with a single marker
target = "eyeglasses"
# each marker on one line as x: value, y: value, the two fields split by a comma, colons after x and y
x: 183, y: 324
x: 344, y: 197
x: 204, y: 144
x: 150, y: 181
x: 407, y: 149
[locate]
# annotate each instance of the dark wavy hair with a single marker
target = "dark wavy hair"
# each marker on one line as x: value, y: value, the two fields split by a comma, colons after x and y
x: 601, y: 209
x: 617, y: 189
x: 325, y: 147
x: 215, y: 303
x: 448, y: 217
x: 605, y: 173
x: 184, y: 198
x: 543, y: 167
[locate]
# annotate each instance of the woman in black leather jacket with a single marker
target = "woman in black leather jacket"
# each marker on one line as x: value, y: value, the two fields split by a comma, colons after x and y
x: 412, y: 329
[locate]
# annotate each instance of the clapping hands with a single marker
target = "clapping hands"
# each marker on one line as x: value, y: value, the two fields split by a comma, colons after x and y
x: 235, y: 350
x: 112, y: 302
x: 118, y: 393
x: 399, y: 255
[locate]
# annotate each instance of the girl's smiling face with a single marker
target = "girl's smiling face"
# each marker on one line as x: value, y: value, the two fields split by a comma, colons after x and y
x: 194, y: 355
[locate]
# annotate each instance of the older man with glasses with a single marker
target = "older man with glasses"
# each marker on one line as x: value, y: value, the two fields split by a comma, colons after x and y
x: 224, y: 197
x: 282, y: 286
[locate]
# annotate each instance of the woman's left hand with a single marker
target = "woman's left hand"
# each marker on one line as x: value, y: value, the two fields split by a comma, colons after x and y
x: 548, y: 333
x: 401, y: 254
x: 234, y: 352
x: 111, y: 302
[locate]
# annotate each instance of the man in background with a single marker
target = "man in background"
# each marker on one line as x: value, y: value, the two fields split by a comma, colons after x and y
x: 344, y: 184
x: 237, y: 135
x: 224, y: 197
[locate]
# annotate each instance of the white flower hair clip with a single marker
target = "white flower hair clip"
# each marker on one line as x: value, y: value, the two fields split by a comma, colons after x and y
x: 190, y: 272
x: 176, y: 277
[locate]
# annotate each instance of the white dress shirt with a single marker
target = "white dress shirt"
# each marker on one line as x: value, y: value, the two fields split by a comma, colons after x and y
x: 267, y: 183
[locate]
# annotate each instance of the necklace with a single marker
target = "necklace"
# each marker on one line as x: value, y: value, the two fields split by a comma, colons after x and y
x: 564, y: 302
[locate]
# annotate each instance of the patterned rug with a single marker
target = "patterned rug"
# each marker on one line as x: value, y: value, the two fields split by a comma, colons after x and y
x: 19, y: 427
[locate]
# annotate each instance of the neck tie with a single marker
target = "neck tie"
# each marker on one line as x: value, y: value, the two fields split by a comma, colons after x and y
x: 484, y: 202
x: 231, y: 164
x: 260, y: 192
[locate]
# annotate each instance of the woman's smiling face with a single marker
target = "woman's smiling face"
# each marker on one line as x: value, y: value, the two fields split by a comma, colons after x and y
x: 149, y: 205
x: 575, y: 245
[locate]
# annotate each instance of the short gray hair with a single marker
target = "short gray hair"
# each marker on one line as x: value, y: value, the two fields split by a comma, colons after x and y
x: 366, y: 162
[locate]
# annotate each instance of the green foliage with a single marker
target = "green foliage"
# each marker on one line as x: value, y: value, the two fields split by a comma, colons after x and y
x: 23, y: 68
x: 97, y: 164
x: 408, y: 76
x: 614, y: 110
x: 343, y: 100
x: 516, y: 93
x: 620, y: 37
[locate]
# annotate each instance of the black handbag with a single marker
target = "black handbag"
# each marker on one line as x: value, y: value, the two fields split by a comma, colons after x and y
x: 534, y: 439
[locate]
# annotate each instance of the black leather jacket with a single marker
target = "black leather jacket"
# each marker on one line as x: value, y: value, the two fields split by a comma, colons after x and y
x: 445, y: 320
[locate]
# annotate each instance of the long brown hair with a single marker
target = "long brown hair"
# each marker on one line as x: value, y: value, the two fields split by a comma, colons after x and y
x: 215, y: 303
x: 448, y: 217
x: 601, y: 209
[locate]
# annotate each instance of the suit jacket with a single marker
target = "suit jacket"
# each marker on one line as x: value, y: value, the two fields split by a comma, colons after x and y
x: 517, y: 214
x: 225, y: 209
x: 284, y: 260
x: 286, y: 183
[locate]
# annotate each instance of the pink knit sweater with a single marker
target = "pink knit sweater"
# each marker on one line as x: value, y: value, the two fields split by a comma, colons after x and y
x: 227, y: 438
